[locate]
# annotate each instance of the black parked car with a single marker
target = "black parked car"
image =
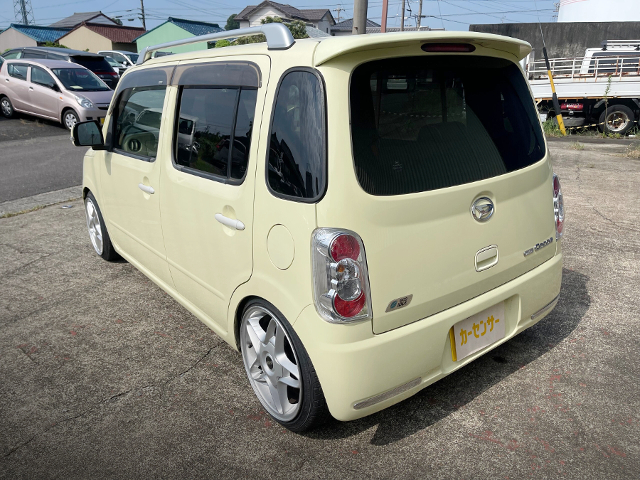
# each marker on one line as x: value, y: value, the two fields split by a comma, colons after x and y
x: 94, y: 62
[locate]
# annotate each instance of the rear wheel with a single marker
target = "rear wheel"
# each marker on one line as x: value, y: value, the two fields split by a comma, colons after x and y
x: 616, y: 119
x: 69, y: 119
x: 279, y: 369
x: 6, y: 107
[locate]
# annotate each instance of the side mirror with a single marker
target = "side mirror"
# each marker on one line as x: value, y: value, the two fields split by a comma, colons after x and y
x: 87, y: 134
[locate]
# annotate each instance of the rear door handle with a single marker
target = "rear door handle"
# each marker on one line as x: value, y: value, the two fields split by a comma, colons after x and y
x: 146, y: 188
x: 229, y: 222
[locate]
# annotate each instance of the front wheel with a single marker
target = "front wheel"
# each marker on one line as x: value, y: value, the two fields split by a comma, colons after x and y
x: 98, y: 231
x: 69, y: 119
x: 6, y: 107
x: 279, y: 369
x: 616, y: 119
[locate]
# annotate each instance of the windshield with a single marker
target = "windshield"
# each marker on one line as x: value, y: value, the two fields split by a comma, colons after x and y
x: 93, y: 63
x: 79, y: 79
x: 112, y: 62
x: 133, y: 57
x: 426, y: 123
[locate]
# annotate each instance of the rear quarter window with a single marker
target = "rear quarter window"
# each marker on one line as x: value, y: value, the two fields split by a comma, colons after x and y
x: 426, y: 123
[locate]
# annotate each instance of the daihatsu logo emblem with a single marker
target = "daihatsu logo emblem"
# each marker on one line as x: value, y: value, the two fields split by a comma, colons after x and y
x: 482, y: 209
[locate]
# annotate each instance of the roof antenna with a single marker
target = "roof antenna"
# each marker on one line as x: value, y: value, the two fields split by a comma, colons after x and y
x: 556, y: 104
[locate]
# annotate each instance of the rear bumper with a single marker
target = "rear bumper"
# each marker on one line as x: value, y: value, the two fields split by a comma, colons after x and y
x: 362, y: 373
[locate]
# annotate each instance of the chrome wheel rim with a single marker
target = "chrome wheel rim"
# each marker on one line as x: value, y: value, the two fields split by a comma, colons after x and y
x: 70, y: 120
x: 617, y: 121
x: 93, y: 224
x: 271, y: 363
x: 6, y: 107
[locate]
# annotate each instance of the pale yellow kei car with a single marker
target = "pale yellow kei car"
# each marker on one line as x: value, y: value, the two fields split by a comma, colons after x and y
x: 358, y: 216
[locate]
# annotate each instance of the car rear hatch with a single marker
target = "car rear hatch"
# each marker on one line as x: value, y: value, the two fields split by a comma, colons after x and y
x: 432, y: 136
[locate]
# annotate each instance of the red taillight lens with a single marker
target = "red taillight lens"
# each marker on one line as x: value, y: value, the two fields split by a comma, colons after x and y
x: 558, y: 206
x: 448, y: 47
x: 348, y: 309
x: 340, y: 276
x: 345, y: 246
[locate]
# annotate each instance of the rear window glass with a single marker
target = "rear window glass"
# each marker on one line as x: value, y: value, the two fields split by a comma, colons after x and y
x: 95, y: 64
x: 426, y: 123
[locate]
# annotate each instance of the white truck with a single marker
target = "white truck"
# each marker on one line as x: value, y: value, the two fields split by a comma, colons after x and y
x: 602, y: 88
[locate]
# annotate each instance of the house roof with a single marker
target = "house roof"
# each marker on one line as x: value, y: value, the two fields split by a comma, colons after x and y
x: 79, y: 17
x: 40, y: 34
x: 314, y: 32
x: 191, y: 26
x: 309, y: 15
x: 347, y: 25
x: 115, y: 33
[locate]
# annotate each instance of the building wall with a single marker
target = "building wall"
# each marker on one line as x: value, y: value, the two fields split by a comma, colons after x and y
x: 12, y: 38
x: 324, y: 24
x: 599, y: 11
x: 83, y: 38
x: 258, y: 15
x: 169, y: 32
x: 564, y: 39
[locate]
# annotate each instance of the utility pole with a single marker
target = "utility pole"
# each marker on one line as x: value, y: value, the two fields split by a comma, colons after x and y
x: 23, y: 12
x: 402, y: 18
x: 385, y: 14
x: 419, y: 14
x: 144, y: 23
x: 360, y: 17
x: 339, y: 9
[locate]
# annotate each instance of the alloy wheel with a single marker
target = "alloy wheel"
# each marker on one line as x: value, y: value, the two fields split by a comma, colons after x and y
x: 93, y: 224
x: 271, y: 363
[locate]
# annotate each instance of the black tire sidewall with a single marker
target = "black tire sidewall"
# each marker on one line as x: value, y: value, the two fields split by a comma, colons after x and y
x: 613, y: 108
x: 313, y: 409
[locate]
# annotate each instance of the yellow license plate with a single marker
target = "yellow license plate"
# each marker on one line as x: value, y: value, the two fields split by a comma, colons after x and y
x: 476, y: 332
x: 101, y: 120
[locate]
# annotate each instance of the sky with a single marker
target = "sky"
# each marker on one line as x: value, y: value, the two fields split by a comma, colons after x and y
x: 448, y: 14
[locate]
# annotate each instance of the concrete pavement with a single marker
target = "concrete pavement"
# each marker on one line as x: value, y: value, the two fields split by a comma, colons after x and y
x: 104, y: 375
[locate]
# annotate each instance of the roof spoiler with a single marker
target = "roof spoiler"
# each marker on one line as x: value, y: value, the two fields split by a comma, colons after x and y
x: 329, y: 50
x: 278, y: 38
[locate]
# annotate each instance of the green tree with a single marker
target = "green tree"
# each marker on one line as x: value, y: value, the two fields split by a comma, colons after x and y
x: 222, y: 43
x: 53, y: 44
x: 232, y: 23
x: 297, y: 27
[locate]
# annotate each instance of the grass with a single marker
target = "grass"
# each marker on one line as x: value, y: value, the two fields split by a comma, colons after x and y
x: 576, y: 146
x: 28, y: 210
x: 633, y: 151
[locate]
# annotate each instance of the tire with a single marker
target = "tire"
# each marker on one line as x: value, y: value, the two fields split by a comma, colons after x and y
x: 69, y: 119
x: 271, y: 352
x: 6, y: 107
x: 98, y: 231
x: 618, y: 119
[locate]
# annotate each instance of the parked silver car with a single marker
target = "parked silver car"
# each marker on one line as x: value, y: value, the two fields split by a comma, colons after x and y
x: 53, y: 89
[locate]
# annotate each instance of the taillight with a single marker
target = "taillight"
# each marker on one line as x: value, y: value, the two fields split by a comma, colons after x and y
x: 558, y: 206
x: 448, y: 47
x: 340, y: 276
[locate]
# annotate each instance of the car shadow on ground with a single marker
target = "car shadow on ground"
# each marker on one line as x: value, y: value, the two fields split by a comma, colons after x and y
x: 21, y: 127
x: 437, y: 401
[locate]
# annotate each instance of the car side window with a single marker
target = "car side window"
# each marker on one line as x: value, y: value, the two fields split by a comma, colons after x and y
x: 32, y: 54
x: 138, y: 115
x: 11, y: 55
x: 297, y: 147
x: 214, y: 130
x: 17, y: 70
x: 41, y: 77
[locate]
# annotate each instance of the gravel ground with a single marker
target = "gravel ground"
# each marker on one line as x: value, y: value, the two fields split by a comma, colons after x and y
x: 104, y: 375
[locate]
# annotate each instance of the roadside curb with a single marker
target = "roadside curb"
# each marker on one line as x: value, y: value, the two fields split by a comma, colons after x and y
x: 13, y: 207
